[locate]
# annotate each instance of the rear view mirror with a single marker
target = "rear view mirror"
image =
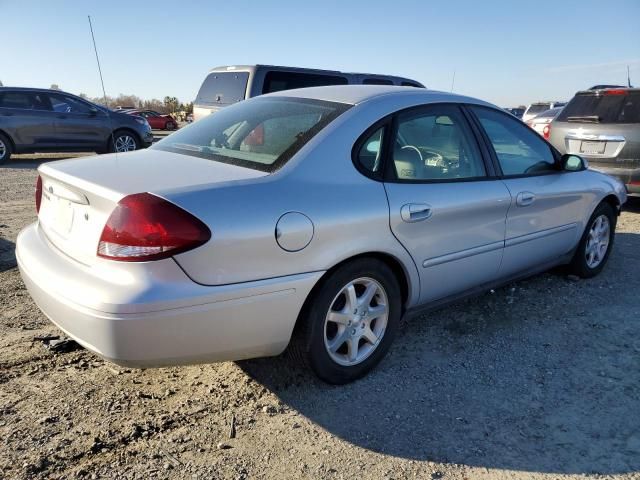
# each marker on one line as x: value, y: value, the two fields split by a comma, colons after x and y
x: 573, y: 163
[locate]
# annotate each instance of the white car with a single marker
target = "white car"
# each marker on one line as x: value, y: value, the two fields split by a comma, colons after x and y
x: 542, y: 123
x: 537, y: 108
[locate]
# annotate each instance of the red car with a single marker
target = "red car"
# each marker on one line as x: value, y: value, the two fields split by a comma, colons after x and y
x: 158, y: 121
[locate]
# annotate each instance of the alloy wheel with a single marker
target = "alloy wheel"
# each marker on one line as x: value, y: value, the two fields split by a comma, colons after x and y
x: 125, y: 143
x: 3, y: 149
x: 597, y: 241
x: 356, y: 321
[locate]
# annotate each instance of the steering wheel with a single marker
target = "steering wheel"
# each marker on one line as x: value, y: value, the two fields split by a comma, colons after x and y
x: 411, y: 147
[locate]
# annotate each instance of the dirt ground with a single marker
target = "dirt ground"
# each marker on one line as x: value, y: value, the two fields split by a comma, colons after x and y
x: 540, y: 379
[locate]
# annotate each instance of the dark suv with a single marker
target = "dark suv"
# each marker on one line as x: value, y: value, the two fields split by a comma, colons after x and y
x: 603, y: 126
x: 37, y: 120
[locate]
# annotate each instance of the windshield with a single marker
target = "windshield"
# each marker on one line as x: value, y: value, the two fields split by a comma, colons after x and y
x: 261, y: 133
x: 617, y: 107
x: 223, y: 88
x: 537, y: 108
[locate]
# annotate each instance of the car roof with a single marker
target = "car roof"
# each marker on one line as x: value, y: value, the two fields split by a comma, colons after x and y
x: 355, y: 94
x: 33, y: 89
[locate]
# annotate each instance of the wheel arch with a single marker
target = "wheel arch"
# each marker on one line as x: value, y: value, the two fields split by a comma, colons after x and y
x: 11, y: 140
x: 122, y: 129
x: 391, y: 261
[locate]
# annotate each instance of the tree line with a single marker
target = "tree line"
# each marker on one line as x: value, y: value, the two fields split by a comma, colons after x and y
x: 168, y: 105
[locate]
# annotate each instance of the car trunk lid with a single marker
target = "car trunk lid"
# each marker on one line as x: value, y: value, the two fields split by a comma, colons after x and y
x: 79, y: 195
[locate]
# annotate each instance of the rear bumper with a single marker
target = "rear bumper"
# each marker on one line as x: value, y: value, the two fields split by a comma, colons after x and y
x: 630, y: 176
x: 160, y: 317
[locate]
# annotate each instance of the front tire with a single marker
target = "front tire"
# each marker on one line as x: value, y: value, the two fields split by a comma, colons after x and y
x: 5, y: 149
x: 124, y: 141
x: 596, y: 243
x: 348, y: 325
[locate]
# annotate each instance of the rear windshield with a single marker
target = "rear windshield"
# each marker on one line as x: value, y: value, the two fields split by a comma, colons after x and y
x: 261, y: 133
x: 603, y: 108
x: 223, y: 88
x: 276, y: 81
x: 538, y: 108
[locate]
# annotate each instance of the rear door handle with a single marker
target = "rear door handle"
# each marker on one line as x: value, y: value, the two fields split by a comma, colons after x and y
x: 415, y: 212
x: 524, y: 199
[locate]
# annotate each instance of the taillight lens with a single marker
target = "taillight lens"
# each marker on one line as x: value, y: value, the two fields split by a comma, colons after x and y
x: 144, y: 227
x: 38, y: 193
x: 546, y: 132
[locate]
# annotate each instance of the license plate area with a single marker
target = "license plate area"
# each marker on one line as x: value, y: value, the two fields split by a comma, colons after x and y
x: 592, y: 147
x: 57, y: 213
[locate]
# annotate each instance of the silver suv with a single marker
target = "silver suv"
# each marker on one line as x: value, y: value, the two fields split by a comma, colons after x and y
x: 603, y: 126
x: 226, y: 85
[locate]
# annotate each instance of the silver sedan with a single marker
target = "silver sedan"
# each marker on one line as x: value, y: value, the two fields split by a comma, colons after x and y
x: 314, y: 218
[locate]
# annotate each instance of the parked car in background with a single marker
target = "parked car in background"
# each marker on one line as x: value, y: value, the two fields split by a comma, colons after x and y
x: 516, y: 111
x: 221, y: 243
x: 226, y: 85
x: 540, y: 123
x: 39, y: 120
x: 537, y: 108
x: 604, y: 127
x: 158, y: 121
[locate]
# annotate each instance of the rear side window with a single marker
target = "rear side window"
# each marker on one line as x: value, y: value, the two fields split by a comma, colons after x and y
x: 276, y: 81
x: 370, y: 154
x: 223, y: 88
x: 620, y: 107
x: 23, y: 100
x: 411, y: 84
x: 376, y: 81
x: 519, y: 149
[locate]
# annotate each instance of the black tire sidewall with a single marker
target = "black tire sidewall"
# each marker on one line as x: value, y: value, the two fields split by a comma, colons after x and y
x: 8, y: 149
x: 317, y: 355
x: 579, y: 263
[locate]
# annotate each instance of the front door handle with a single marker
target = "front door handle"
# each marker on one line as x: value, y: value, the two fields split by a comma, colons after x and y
x: 524, y: 199
x: 415, y: 212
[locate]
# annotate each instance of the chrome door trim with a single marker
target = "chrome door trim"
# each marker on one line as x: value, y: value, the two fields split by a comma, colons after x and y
x: 510, y: 242
x: 451, y: 257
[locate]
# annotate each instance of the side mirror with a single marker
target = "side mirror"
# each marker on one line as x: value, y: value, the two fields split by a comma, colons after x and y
x: 573, y: 163
x: 93, y: 111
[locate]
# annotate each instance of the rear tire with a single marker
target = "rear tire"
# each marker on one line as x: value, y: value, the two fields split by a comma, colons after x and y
x: 123, y: 141
x: 596, y: 243
x: 6, y: 149
x: 344, y: 332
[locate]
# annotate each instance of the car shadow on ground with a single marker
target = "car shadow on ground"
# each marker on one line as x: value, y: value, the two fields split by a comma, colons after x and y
x: 514, y: 385
x: 7, y: 255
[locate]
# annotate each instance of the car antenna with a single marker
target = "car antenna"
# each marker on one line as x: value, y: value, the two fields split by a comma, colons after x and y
x: 453, y: 80
x: 104, y: 93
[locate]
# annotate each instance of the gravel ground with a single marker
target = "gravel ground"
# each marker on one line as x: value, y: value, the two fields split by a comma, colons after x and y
x: 539, y: 379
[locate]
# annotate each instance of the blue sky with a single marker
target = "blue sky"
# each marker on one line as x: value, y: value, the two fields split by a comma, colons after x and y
x: 507, y: 52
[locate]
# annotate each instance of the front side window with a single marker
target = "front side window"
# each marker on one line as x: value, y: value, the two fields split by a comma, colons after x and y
x: 65, y: 104
x: 261, y: 133
x: 519, y: 149
x: 276, y: 81
x: 435, y: 144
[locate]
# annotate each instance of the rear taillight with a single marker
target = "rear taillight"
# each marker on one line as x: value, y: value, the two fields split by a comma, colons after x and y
x: 546, y: 131
x: 616, y: 91
x: 38, y: 193
x: 144, y: 227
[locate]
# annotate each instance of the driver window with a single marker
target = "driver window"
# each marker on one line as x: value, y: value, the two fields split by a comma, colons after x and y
x: 64, y: 104
x: 519, y: 149
x: 436, y: 145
